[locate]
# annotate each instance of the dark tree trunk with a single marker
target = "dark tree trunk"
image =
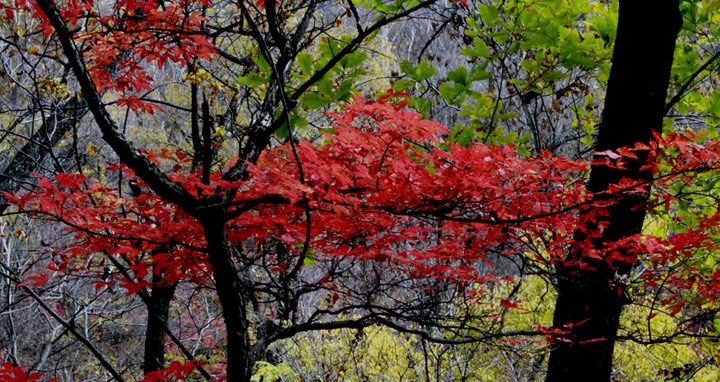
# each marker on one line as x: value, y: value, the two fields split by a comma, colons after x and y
x: 231, y: 287
x: 634, y: 107
x: 158, y: 310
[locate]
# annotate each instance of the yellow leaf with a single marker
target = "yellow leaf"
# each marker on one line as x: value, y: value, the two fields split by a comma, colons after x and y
x: 218, y: 133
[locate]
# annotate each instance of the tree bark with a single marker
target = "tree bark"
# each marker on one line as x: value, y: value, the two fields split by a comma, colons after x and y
x: 231, y: 292
x: 158, y: 311
x: 634, y: 108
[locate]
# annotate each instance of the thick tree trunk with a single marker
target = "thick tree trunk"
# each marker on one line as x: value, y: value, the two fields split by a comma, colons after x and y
x: 158, y: 310
x: 233, y: 299
x: 634, y: 104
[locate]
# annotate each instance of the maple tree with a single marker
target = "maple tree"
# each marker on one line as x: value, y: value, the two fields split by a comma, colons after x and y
x: 134, y: 80
x: 388, y: 218
x: 359, y: 211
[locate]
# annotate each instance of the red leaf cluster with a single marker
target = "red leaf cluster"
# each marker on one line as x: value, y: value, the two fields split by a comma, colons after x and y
x: 10, y: 373
x: 176, y: 371
x: 384, y: 186
x: 121, y: 45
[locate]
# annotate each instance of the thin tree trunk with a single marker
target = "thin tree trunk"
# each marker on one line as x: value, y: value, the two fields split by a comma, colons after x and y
x: 634, y: 108
x: 158, y: 311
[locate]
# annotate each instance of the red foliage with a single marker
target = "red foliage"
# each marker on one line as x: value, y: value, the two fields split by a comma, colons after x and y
x: 10, y: 373
x: 120, y: 46
x: 385, y: 187
x: 383, y: 178
x: 387, y: 177
x: 175, y: 372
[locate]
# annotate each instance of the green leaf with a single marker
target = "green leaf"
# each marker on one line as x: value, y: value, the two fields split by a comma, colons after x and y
x: 314, y: 101
x: 459, y: 75
x: 589, y: 100
x: 253, y: 80
x: 356, y: 73
x: 452, y: 94
x: 328, y: 47
x: 469, y: 52
x: 353, y: 59
x: 305, y: 62
x: 431, y: 168
x: 472, y: 23
x: 712, y: 132
x: 325, y: 88
x: 481, y: 48
x: 282, y: 132
x: 407, y: 68
x: 420, y: 73
x: 422, y: 105
x: 296, y: 122
x: 263, y: 64
x: 424, y: 71
x: 309, y: 259
x: 461, y: 135
x: 488, y: 14
x: 344, y: 93
x: 524, y: 138
x: 522, y: 150
x: 401, y: 85
x: 478, y: 73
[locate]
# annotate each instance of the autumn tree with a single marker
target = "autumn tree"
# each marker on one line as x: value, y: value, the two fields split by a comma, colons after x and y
x: 377, y: 216
x: 592, y: 289
x: 184, y: 32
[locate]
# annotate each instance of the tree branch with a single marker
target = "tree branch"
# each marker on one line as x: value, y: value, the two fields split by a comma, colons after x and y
x: 146, y: 170
x: 28, y: 159
x: 678, y: 96
x: 70, y: 328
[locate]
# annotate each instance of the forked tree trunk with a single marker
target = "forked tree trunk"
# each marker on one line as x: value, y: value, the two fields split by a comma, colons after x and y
x: 634, y: 107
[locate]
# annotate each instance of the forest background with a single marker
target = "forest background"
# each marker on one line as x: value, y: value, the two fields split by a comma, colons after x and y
x: 260, y: 191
